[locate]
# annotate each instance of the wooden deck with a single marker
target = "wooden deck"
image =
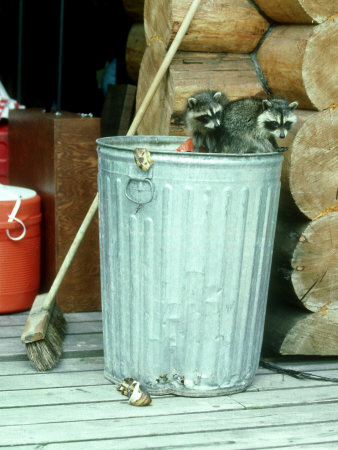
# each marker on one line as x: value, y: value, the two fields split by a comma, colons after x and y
x: 75, y: 407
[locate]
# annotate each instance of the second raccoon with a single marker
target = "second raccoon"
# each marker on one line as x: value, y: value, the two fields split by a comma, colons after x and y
x: 252, y: 125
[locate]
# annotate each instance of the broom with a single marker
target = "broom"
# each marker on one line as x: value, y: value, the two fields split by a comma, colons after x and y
x: 45, y: 326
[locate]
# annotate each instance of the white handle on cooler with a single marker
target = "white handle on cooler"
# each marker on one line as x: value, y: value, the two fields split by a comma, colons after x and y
x: 12, y: 217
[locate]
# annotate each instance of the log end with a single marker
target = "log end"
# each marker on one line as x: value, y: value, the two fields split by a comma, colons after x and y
x: 315, y: 335
x: 320, y: 65
x: 320, y: 11
x: 314, y: 263
x: 314, y: 164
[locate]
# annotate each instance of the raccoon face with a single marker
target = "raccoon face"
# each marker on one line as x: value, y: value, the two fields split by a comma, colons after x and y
x: 277, y: 117
x: 204, y: 111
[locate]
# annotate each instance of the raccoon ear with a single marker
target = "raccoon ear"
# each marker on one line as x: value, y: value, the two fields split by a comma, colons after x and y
x: 192, y: 102
x: 266, y: 104
x: 293, y: 105
x: 217, y: 95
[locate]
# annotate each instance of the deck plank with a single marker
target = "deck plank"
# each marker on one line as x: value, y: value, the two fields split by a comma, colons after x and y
x: 102, y: 393
x: 93, y: 326
x: 36, y: 380
x: 88, y: 394
x: 215, y: 445
x: 52, y: 380
x: 276, y: 411
x: 20, y: 318
x: 86, y: 343
x: 181, y: 411
x: 283, y: 381
x: 276, y: 427
x: 67, y: 365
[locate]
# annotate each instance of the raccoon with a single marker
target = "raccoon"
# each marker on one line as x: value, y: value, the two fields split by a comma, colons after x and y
x: 203, y: 117
x: 252, y: 125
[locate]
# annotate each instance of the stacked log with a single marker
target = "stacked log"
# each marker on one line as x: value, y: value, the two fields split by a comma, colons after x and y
x: 305, y: 270
x: 210, y: 56
x: 305, y: 262
x: 298, y: 11
x: 136, y: 41
x: 297, y: 62
x: 218, y: 25
x: 245, y: 48
x: 136, y: 45
x: 282, y: 58
x: 134, y: 9
x: 314, y: 164
x: 189, y: 72
x: 301, y: 333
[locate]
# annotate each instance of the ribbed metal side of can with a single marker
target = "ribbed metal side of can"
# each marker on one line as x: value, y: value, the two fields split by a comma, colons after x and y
x: 185, y: 262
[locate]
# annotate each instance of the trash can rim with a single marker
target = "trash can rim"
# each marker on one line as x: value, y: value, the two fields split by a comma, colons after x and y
x: 156, y: 139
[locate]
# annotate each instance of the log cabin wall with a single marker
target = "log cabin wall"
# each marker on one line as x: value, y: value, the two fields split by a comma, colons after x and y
x: 284, y: 48
x: 136, y: 41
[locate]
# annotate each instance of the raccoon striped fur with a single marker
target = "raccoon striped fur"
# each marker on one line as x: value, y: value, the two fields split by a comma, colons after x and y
x: 252, y: 125
x: 247, y: 125
x: 203, y: 117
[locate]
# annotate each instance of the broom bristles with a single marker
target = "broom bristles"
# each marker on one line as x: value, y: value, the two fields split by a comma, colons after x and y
x: 46, y: 353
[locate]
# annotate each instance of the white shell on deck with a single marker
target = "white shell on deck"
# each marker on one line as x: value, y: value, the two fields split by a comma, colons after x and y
x: 140, y: 396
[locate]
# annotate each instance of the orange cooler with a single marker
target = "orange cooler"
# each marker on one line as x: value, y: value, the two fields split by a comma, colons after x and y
x: 20, y: 242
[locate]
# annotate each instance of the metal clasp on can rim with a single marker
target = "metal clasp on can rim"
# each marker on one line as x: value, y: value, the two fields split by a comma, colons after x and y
x: 144, y: 162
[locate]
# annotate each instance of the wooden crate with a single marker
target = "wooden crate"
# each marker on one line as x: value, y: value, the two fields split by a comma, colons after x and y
x: 56, y: 156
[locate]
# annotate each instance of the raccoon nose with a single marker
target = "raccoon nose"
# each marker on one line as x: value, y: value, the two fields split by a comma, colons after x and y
x: 216, y: 124
x: 282, y: 135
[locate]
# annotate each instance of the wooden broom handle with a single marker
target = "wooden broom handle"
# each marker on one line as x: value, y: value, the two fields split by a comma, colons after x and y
x: 133, y: 127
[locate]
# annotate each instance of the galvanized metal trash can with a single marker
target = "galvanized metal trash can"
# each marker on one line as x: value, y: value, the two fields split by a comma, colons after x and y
x: 185, y: 262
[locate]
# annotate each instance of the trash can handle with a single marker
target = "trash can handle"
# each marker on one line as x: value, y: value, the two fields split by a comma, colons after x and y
x: 147, y: 180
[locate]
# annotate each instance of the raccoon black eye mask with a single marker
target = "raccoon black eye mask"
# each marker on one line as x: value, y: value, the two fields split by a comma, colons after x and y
x: 278, y: 116
x: 210, y: 120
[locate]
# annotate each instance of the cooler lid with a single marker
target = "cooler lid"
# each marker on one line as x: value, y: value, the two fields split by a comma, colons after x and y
x: 9, y: 193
